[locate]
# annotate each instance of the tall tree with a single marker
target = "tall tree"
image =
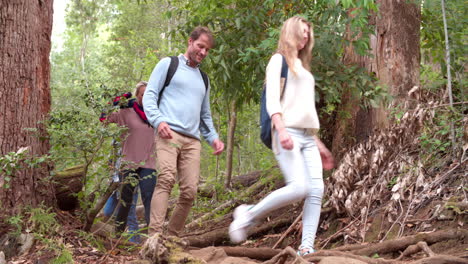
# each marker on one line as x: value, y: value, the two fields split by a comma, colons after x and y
x: 394, y: 59
x: 25, y: 27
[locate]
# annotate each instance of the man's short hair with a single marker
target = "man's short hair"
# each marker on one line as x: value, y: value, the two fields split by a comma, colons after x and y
x: 198, y: 31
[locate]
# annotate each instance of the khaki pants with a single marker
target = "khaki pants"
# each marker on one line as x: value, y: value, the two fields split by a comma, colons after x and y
x: 177, y: 156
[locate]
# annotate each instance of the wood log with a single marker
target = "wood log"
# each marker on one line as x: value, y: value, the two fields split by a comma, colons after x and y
x: 67, y: 184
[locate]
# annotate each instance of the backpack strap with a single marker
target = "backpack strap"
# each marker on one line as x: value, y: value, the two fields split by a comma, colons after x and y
x: 284, y: 74
x: 170, y: 73
x: 205, y: 79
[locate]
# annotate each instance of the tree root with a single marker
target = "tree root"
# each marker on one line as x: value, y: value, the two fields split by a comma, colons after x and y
x: 441, y: 259
x: 413, y: 249
x: 404, y: 242
x: 252, y: 253
x: 319, y: 255
x: 284, y: 255
x: 159, y: 249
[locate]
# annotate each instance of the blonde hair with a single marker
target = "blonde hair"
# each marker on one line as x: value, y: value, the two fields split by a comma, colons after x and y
x: 139, y: 86
x: 290, y: 36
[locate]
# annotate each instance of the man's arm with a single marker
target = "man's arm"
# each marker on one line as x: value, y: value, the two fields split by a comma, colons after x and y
x: 206, y: 125
x: 150, y: 98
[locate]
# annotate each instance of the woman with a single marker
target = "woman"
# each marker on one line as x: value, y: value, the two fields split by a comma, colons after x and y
x: 299, y: 152
x: 138, y: 160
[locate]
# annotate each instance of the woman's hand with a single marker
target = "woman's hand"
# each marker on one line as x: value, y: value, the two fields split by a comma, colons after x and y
x: 285, y: 140
x: 283, y: 135
x: 328, y: 162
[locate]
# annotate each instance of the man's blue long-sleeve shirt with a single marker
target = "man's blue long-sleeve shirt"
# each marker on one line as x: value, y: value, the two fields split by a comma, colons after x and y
x: 185, y: 102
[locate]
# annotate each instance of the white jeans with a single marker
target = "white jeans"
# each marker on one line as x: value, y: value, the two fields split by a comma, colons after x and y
x: 302, y: 170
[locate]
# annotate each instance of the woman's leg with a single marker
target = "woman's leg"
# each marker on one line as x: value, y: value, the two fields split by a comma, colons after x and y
x: 130, y: 179
x: 313, y: 201
x: 132, y: 220
x: 293, y: 167
x: 110, y: 205
x: 147, y: 184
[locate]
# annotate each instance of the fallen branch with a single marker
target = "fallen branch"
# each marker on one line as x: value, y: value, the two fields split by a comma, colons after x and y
x: 246, y: 193
x: 337, y: 233
x: 99, y: 204
x: 289, y: 230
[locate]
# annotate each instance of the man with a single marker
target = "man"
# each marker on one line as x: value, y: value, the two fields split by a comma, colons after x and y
x: 183, y: 111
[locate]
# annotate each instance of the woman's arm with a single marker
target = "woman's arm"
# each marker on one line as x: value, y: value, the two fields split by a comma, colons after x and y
x: 284, y: 137
x: 327, y: 158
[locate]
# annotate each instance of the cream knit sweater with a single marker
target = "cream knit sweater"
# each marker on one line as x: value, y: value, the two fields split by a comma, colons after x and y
x: 297, y: 105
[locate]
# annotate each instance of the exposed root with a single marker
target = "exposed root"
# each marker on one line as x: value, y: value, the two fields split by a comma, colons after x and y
x: 161, y: 250
x: 404, y: 242
x: 283, y: 256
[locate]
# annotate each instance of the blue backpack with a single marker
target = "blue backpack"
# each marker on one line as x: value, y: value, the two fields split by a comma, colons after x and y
x: 265, y: 120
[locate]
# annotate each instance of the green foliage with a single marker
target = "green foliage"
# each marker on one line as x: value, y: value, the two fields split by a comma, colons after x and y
x: 42, y: 221
x: 65, y: 256
x: 435, y: 137
x: 12, y: 162
x: 90, y: 238
x: 16, y: 222
x: 433, y: 45
x: 62, y: 251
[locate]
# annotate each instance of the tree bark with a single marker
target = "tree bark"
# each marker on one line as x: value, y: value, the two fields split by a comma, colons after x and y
x: 25, y: 43
x: 394, y: 60
x: 397, y: 48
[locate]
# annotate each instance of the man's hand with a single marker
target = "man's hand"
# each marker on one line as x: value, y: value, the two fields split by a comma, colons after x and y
x: 164, y: 130
x: 218, y: 146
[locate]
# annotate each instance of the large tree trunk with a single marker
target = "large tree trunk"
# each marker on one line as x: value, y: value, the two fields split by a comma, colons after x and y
x: 25, y: 42
x: 395, y: 61
x: 397, y: 48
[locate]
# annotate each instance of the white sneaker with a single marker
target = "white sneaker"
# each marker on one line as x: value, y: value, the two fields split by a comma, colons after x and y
x: 242, y: 221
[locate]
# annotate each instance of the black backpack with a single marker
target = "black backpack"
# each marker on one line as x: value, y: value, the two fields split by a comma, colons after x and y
x: 265, y: 120
x: 171, y: 71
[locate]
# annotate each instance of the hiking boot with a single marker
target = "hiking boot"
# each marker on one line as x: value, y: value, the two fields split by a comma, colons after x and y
x: 242, y: 221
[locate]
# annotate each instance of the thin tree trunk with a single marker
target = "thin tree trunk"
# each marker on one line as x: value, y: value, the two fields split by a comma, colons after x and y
x: 449, y: 74
x: 25, y: 43
x: 230, y: 143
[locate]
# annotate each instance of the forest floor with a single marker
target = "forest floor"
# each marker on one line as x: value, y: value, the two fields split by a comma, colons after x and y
x: 430, y: 237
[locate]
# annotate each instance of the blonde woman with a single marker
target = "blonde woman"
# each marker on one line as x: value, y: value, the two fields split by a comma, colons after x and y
x: 299, y: 152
